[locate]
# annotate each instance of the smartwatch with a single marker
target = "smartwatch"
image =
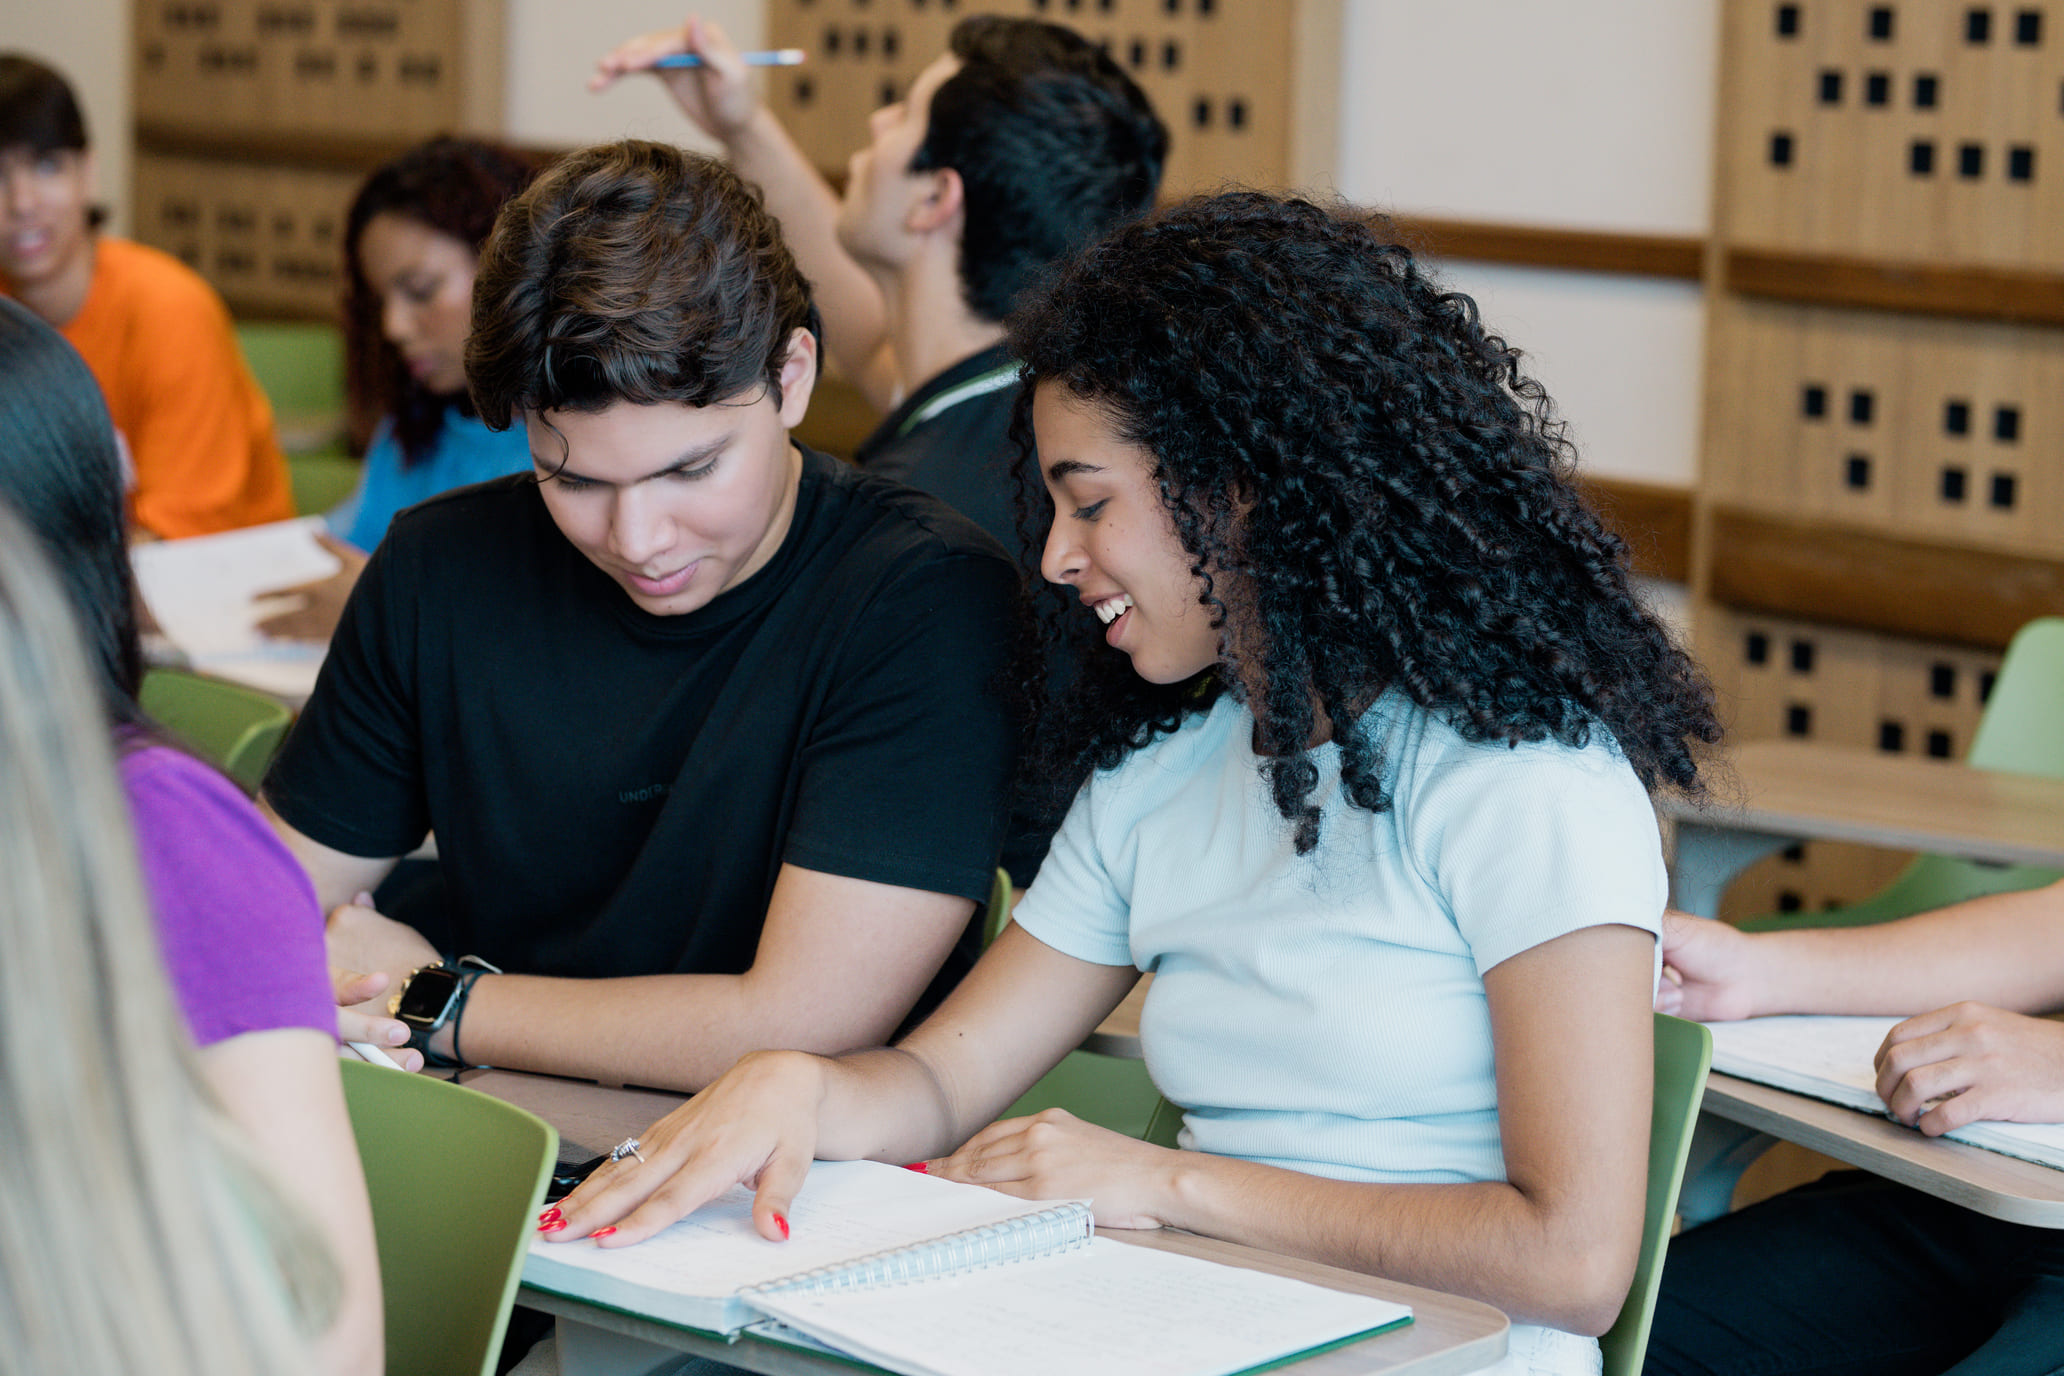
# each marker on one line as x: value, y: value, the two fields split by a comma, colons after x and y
x: 434, y: 995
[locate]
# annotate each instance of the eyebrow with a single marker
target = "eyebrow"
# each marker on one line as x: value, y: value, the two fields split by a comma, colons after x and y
x: 1067, y: 468
x: 687, y: 459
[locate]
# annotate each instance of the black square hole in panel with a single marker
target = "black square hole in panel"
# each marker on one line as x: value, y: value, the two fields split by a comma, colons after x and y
x: 1787, y: 21
x: 1920, y: 158
x: 1940, y: 745
x: 1756, y: 648
x: 2020, y: 163
x: 1970, y: 161
x: 1986, y: 678
x: 1954, y: 482
x: 1879, y: 23
x: 1795, y: 853
x: 1789, y: 902
x: 1956, y: 417
x: 1891, y: 737
x: 1856, y: 472
x: 1813, y: 401
x: 891, y: 41
x: 888, y: 93
x: 1798, y: 720
x: 2006, y: 424
x: 1862, y: 406
x: 1171, y: 56
x: 1780, y: 150
x: 833, y: 41
x: 804, y: 91
x: 1927, y: 91
x: 1136, y: 54
x: 1204, y: 7
x: 1236, y: 114
x: 2028, y: 27
x: 1802, y: 656
x: 1830, y: 88
x: 1942, y: 680
x: 2001, y: 495
x: 1978, y: 25
x: 1200, y: 113
x: 860, y: 43
x: 1172, y: 6
x: 1877, y: 89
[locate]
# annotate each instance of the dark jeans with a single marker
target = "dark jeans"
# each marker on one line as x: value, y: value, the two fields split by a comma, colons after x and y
x: 1855, y: 1276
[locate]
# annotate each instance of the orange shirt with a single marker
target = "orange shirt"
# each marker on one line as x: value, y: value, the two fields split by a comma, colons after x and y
x: 198, y: 427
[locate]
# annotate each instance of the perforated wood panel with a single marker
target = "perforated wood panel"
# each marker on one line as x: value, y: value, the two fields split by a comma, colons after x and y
x: 1218, y: 71
x: 269, y: 238
x: 1925, y: 130
x: 1781, y: 678
x: 362, y: 69
x: 1910, y: 425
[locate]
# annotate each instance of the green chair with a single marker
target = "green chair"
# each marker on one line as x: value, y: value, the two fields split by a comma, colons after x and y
x: 2022, y: 732
x: 234, y: 728
x: 997, y: 915
x: 1683, y: 1055
x: 456, y: 1180
x: 300, y: 367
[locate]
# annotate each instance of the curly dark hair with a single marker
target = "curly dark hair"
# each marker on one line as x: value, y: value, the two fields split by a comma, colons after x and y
x: 1053, y: 143
x: 634, y: 272
x: 1371, y: 488
x: 456, y: 187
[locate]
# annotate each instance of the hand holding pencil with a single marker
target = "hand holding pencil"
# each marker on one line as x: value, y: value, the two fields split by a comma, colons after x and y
x: 703, y: 70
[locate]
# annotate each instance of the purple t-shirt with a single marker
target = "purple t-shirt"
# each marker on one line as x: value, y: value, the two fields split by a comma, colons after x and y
x: 237, y: 917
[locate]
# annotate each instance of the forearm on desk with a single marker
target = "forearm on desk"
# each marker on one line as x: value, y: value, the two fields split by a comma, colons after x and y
x: 2005, y: 949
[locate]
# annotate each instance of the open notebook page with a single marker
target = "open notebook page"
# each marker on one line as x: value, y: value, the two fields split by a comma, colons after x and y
x: 1826, y: 1057
x: 1107, y: 1309
x: 202, y: 592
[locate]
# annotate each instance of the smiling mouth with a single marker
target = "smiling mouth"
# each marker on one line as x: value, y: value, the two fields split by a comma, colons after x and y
x: 665, y: 586
x: 1111, y: 608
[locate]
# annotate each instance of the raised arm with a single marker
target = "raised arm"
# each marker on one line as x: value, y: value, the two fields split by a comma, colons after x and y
x: 2006, y: 950
x: 718, y: 98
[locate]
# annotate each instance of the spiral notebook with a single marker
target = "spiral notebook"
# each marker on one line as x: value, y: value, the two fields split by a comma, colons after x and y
x: 933, y: 1278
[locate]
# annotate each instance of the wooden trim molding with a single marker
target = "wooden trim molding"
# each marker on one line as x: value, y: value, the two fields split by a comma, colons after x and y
x: 2024, y: 296
x: 1790, y: 566
x: 1654, y: 520
x: 1579, y: 250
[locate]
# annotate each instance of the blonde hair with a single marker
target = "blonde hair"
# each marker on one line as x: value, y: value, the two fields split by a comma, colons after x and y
x: 135, y: 1235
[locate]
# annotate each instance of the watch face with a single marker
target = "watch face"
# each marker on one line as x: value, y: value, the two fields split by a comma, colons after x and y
x: 428, y: 996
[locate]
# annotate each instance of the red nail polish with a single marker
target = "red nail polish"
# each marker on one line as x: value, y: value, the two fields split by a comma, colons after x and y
x: 549, y: 1214
x: 921, y: 1167
x: 603, y: 1232
x: 553, y: 1226
x: 781, y: 1223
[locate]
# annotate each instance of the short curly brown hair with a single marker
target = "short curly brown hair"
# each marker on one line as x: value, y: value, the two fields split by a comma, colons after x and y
x: 632, y: 272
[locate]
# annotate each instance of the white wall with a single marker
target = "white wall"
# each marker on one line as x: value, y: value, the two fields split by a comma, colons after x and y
x: 553, y: 45
x: 89, y: 41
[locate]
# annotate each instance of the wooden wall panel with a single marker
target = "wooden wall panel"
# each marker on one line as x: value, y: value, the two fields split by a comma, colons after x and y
x: 270, y: 239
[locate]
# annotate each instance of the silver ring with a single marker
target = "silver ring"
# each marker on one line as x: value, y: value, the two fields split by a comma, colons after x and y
x: 627, y: 1147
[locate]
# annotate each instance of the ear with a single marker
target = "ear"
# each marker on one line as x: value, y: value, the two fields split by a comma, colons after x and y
x: 798, y: 377
x: 941, y: 206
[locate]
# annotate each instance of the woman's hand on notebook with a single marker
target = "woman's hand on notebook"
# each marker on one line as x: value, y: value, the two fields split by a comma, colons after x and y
x: 755, y: 1126
x: 1970, y: 1063
x: 1055, y: 1155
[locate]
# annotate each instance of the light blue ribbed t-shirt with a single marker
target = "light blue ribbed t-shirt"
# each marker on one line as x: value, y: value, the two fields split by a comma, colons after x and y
x: 465, y: 452
x: 1326, y: 1013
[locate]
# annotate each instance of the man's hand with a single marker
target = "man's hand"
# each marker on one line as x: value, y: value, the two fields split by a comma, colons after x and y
x: 321, y: 602
x: 359, y: 938
x: 717, y: 96
x: 1709, y: 970
x: 355, y: 1025
x: 1972, y: 1063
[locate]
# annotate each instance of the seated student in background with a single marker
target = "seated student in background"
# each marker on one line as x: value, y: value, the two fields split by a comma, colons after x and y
x: 705, y: 724
x: 201, y: 451
x: 141, y: 1229
x: 1009, y: 152
x: 1853, y: 1273
x: 236, y: 921
x: 1362, y: 780
x: 412, y: 242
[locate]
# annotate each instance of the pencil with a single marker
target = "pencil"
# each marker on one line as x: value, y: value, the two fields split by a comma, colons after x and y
x: 773, y: 57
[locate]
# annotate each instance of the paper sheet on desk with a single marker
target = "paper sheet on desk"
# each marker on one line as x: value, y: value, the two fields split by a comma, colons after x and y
x: 1831, y: 1058
x: 203, y: 592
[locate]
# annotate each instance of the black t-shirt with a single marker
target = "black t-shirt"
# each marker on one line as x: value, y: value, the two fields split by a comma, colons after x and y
x: 613, y: 792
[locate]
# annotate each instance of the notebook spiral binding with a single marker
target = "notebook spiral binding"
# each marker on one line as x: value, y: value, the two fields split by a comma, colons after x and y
x: 1049, y: 1232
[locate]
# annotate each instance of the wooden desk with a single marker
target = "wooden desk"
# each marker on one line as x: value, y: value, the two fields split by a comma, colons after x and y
x: 1984, y: 1181
x: 1796, y: 791
x: 1447, y: 1334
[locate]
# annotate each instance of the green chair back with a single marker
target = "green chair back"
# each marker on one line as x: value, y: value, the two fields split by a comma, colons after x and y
x: 2022, y: 732
x: 1683, y: 1055
x: 234, y: 728
x: 1163, y: 1125
x: 456, y: 1180
x: 300, y: 367
x: 1111, y: 1091
x: 997, y: 915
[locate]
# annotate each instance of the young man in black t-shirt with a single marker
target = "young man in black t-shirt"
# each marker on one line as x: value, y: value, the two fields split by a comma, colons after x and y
x: 706, y: 725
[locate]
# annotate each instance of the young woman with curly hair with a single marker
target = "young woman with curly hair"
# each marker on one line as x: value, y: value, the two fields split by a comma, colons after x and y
x: 1365, y: 786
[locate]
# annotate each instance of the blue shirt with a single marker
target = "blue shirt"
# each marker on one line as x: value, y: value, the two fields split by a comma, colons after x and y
x: 465, y: 451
